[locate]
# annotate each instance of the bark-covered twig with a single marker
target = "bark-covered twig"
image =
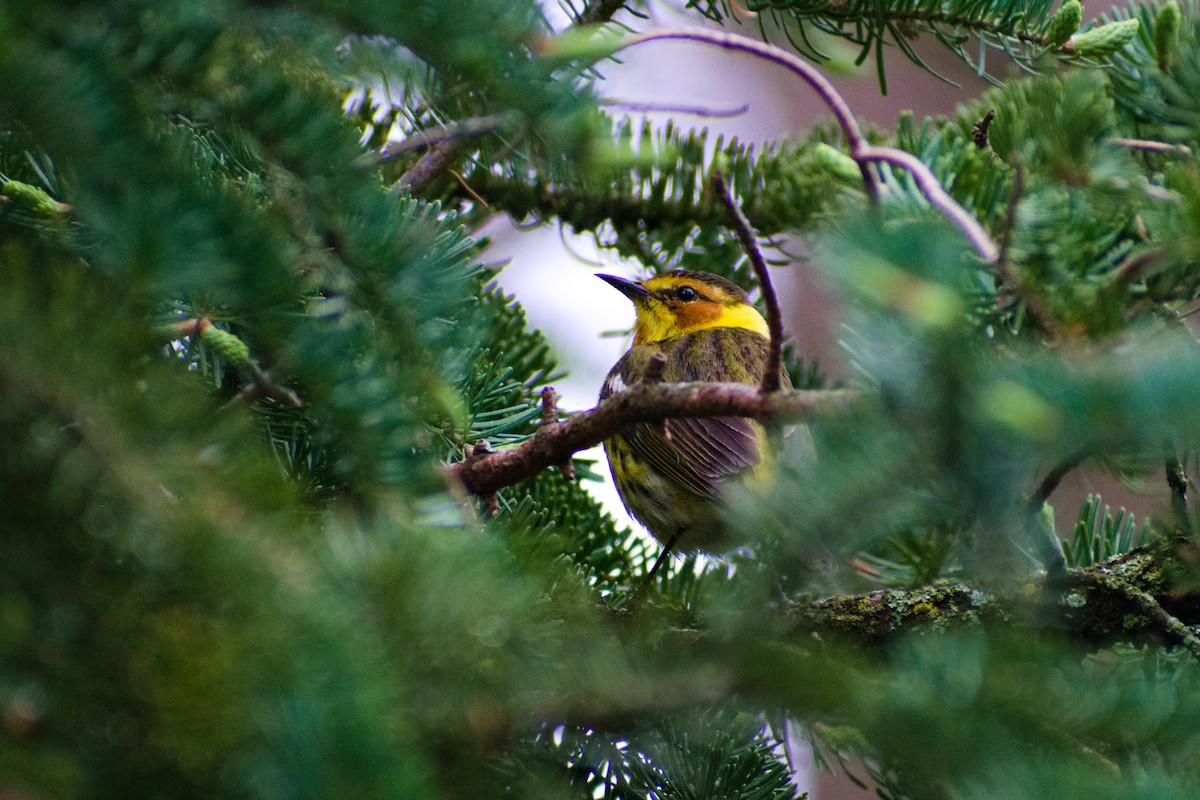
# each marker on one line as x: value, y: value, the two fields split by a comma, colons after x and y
x: 938, y: 197
x: 550, y: 417
x: 1008, y: 276
x: 1131, y: 268
x: 263, y: 386
x: 554, y: 444
x: 745, y: 234
x: 1051, y: 480
x: 477, y: 451
x: 979, y: 133
x: 418, y: 177
x: 1177, y: 481
x: 1047, y: 544
x: 1010, y: 221
x: 1152, y: 146
x: 445, y: 142
x: 455, y: 131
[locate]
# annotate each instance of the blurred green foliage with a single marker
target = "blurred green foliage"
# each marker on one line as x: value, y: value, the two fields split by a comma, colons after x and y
x: 234, y: 359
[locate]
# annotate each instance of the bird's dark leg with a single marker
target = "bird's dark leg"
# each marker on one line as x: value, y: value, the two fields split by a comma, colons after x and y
x: 662, y: 557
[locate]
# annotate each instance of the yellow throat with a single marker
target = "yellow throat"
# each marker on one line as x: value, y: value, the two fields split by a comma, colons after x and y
x: 682, y: 302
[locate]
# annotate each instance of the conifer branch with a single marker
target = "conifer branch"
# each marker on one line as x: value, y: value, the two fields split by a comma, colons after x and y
x: 445, y: 143
x: 555, y: 444
x: 1010, y: 221
x: 263, y: 386
x: 1036, y: 306
x: 745, y: 234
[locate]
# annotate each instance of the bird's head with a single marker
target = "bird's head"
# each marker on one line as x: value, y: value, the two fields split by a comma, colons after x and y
x: 683, y: 301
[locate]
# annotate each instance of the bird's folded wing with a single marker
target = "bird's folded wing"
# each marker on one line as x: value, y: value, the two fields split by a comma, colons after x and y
x: 698, y: 453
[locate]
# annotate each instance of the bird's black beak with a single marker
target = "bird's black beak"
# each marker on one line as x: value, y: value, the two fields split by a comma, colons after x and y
x: 631, y: 289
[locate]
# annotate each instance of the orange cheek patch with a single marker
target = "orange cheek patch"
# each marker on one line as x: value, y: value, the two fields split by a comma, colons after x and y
x: 696, y: 314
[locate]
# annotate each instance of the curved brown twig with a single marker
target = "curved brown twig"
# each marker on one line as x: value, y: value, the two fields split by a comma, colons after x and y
x: 835, y: 102
x: 860, y: 149
x: 745, y: 234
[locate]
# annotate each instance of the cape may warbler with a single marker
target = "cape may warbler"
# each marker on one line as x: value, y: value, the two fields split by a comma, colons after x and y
x: 669, y: 475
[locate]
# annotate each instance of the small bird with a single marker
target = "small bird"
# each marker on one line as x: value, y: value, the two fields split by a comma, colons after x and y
x: 690, y: 326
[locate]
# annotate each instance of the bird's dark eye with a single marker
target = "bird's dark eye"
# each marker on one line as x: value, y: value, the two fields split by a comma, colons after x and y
x: 687, y: 294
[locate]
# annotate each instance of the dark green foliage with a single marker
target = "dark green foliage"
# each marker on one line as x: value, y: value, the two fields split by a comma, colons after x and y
x: 650, y: 197
x: 234, y: 362
x: 708, y: 755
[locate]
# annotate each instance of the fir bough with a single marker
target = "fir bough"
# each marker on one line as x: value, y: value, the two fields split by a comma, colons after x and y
x: 235, y: 362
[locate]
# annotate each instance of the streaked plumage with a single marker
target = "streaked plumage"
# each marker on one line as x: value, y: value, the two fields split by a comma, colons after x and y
x: 669, y: 475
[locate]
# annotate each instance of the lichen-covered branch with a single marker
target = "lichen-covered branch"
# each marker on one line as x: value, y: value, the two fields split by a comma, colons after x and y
x: 554, y: 444
x: 1125, y: 597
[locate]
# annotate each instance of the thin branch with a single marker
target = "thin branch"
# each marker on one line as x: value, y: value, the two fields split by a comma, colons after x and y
x: 1169, y: 624
x: 745, y: 234
x: 1177, y: 481
x: 263, y: 386
x: 550, y: 417
x: 835, y: 102
x: 463, y: 129
x: 418, y: 177
x: 443, y: 141
x: 1010, y: 220
x: 1048, y: 545
x: 1132, y: 267
x: 1036, y: 306
x: 675, y: 108
x: 937, y: 197
x: 1052, y: 479
x: 554, y: 444
x: 1151, y: 146
x: 979, y: 133
x: 860, y: 150
x: 467, y: 188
